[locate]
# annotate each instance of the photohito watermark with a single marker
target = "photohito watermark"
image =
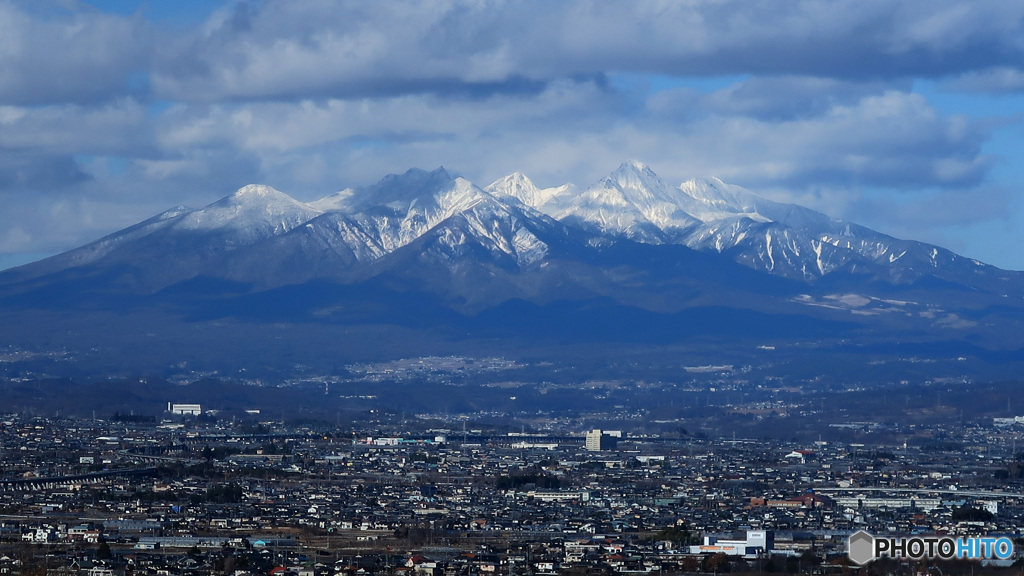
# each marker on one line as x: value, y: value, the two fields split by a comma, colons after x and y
x: 864, y: 547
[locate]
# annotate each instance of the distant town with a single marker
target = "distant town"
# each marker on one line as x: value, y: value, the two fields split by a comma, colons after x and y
x: 194, y: 491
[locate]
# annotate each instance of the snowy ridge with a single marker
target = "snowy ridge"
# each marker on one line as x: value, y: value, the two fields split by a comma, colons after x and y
x: 402, y: 221
x: 366, y: 224
x: 506, y: 223
x: 711, y: 215
x: 710, y: 199
x: 101, y: 248
x: 334, y: 203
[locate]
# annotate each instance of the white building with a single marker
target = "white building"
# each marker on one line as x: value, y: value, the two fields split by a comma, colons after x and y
x: 895, y: 503
x: 555, y: 496
x: 756, y: 543
x: 185, y: 409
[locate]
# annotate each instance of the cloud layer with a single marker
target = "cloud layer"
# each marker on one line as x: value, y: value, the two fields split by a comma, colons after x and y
x: 107, y: 118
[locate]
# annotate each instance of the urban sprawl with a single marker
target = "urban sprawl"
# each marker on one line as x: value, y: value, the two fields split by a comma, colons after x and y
x: 188, y: 493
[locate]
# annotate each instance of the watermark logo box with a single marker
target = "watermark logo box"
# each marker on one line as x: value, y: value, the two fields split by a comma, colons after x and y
x: 864, y: 547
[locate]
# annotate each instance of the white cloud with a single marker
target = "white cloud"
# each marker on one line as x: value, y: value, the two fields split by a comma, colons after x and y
x: 999, y: 79
x: 271, y: 127
x: 353, y: 49
x: 886, y: 139
x: 52, y: 54
x: 118, y: 127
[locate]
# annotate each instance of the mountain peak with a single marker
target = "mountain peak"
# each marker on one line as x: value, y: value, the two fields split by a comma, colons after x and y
x: 514, y: 181
x: 634, y: 170
x: 517, y: 185
x: 638, y: 176
x: 261, y: 197
x: 258, y: 192
x: 518, y: 177
x: 633, y: 166
x: 417, y: 175
x: 402, y: 188
x: 252, y: 208
x: 637, y: 184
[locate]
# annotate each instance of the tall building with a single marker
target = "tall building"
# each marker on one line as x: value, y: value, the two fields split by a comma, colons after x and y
x: 599, y: 440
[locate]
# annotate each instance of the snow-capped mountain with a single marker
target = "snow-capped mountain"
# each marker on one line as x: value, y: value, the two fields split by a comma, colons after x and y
x: 510, y: 222
x: 629, y: 258
x: 242, y: 235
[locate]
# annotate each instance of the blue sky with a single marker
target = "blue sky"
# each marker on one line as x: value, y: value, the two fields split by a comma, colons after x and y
x: 905, y: 117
